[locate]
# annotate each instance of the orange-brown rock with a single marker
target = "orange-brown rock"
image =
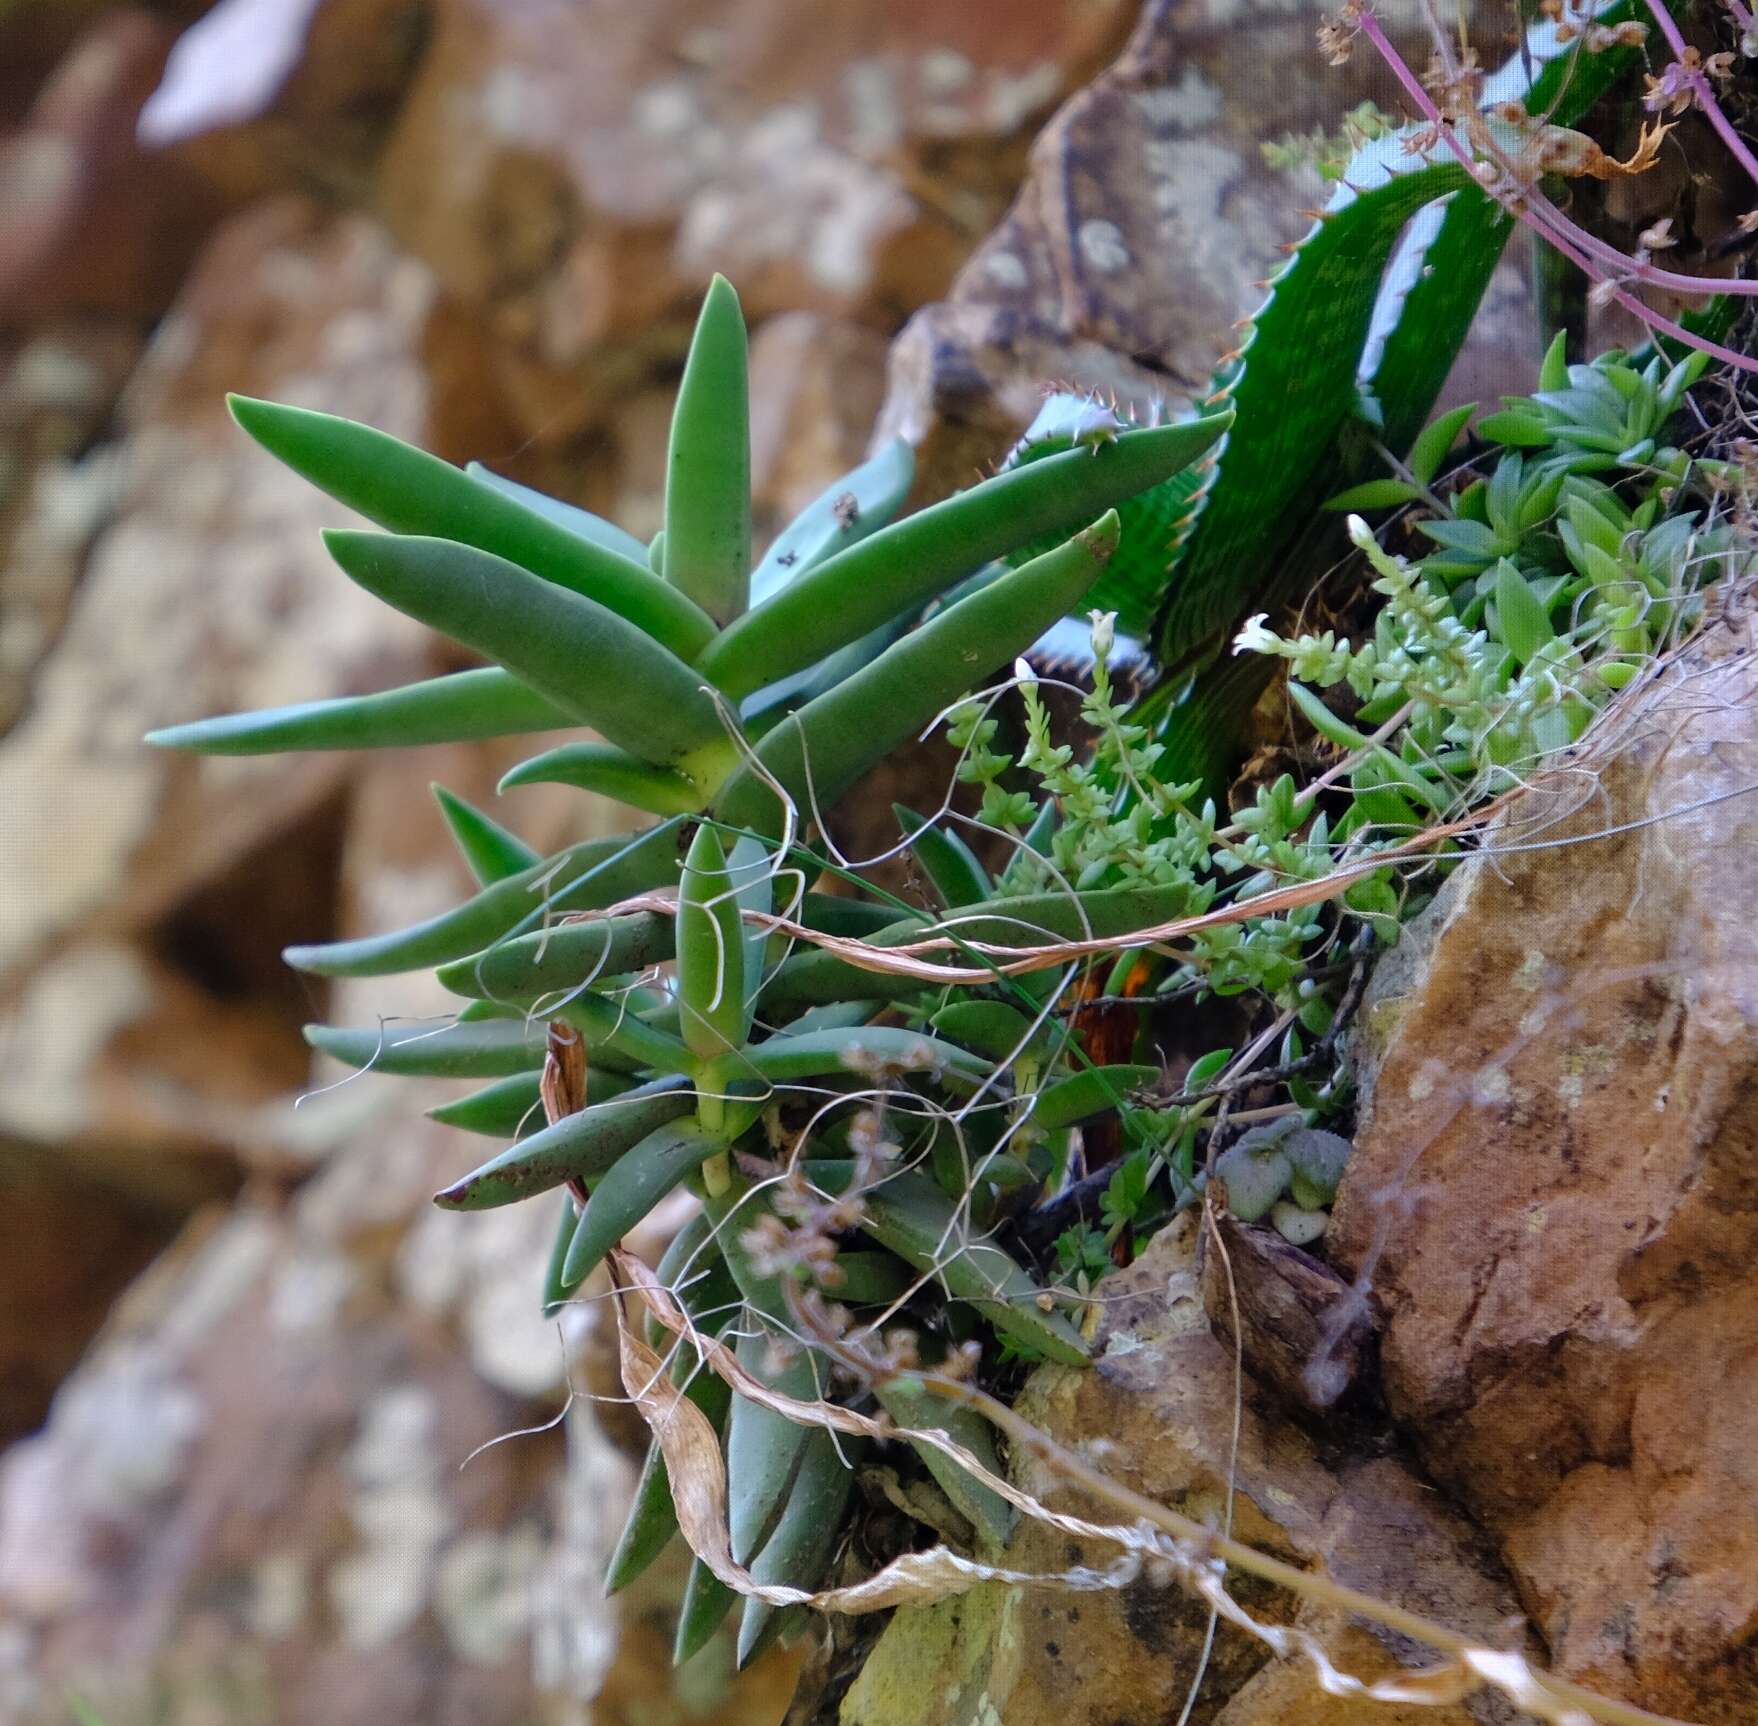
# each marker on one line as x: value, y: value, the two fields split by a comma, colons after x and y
x: 1156, y: 1411
x: 1555, y: 1192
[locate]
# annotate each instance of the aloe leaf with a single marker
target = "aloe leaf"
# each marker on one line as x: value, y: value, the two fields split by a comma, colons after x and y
x: 503, y: 1110
x: 912, y: 1404
x: 946, y: 860
x: 455, y: 709
x: 585, y: 658
x: 583, y: 878
x: 630, y: 1188
x: 561, y: 961
x: 711, y: 952
x: 581, y: 523
x: 708, y: 471
x: 844, y: 513
x: 1084, y: 1095
x: 611, y: 772
x: 409, y: 491
x: 798, y: 1552
x: 816, y: 753
x: 489, y: 850
x: 489, y: 1050
x: 707, y: 1600
x: 918, y: 1222
x: 581, y: 1146
x: 852, y: 593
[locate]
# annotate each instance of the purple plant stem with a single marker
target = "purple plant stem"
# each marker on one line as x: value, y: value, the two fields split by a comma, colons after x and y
x: 1559, y: 231
x: 1699, y: 82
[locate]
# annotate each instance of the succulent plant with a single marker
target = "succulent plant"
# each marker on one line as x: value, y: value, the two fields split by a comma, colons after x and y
x: 732, y: 697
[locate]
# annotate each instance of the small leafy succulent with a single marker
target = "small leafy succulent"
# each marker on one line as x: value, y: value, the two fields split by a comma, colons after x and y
x: 732, y: 697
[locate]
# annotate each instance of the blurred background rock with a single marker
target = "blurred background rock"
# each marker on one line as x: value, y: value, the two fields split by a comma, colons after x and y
x: 244, y: 1366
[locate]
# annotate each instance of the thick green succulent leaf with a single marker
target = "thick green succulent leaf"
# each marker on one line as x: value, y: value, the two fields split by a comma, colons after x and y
x: 904, y: 565
x: 489, y: 850
x: 911, y: 1404
x: 585, y: 877
x: 555, y: 1296
x: 946, y: 860
x: 707, y: 1600
x: 582, y: 656
x: 489, y: 1050
x: 455, y: 709
x: 407, y: 490
x: 581, y: 523
x: 711, y: 952
x: 844, y: 513
x: 798, y: 1552
x: 611, y: 772
x: 506, y: 1109
x: 581, y: 1146
x: 708, y: 471
x: 631, y: 1187
x: 818, y: 752
x: 909, y: 1214
x: 762, y: 1447
x: 562, y: 961
x: 1093, y: 1092
x: 992, y: 1028
x: 867, y: 1049
x: 751, y: 872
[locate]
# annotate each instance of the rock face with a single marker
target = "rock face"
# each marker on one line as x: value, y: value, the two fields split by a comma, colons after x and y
x: 1555, y: 1192
x: 1157, y: 1411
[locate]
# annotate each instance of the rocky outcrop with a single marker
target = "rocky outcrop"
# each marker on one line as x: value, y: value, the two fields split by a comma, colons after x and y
x: 1158, y: 1411
x: 1555, y: 1191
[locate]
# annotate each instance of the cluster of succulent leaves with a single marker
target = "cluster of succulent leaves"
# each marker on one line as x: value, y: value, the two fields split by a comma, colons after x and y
x: 803, y: 1099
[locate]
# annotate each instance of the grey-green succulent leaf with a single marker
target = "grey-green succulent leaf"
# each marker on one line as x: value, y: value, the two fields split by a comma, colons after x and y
x: 407, y: 490
x: 610, y: 772
x: 582, y: 656
x: 581, y: 523
x: 489, y: 851
x: 458, y: 708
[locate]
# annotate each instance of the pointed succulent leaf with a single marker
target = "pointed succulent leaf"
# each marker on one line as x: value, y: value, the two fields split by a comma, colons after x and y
x: 1430, y: 448
x: 1523, y: 620
x: 409, y: 491
x: 1374, y: 494
x: 816, y: 753
x: 751, y: 873
x: 798, y: 1552
x: 490, y: 851
x: 582, y: 878
x: 708, y: 471
x: 844, y: 513
x: 946, y: 860
x: 455, y: 709
x: 905, y: 565
x: 507, y: 1109
x: 555, y: 1296
x: 911, y: 1404
x: 631, y: 1187
x: 992, y: 1028
x: 1084, y: 1095
x: 869, y: 1049
x: 580, y: 1146
x: 909, y: 1214
x: 581, y: 523
x: 711, y: 952
x: 707, y: 1600
x: 489, y: 1050
x: 585, y: 658
x: 611, y: 772
x: 561, y: 961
